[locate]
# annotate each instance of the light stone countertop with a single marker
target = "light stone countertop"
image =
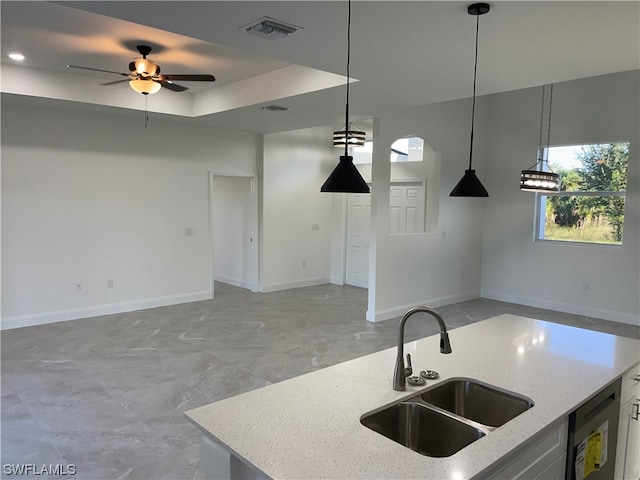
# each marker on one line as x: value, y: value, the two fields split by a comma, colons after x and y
x: 309, y: 426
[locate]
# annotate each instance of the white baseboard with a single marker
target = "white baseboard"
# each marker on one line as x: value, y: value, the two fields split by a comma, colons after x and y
x: 620, y: 317
x: 236, y: 282
x: 399, y: 310
x: 275, y: 287
x: 19, y: 321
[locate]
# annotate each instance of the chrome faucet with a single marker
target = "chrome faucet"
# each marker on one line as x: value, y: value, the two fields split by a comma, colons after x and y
x: 401, y: 373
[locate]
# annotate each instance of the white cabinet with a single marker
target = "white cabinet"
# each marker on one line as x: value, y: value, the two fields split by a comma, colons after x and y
x: 218, y: 463
x: 628, y: 451
x: 542, y: 457
x: 555, y: 471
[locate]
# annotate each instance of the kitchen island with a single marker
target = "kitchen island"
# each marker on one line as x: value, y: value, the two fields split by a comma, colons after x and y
x: 309, y: 426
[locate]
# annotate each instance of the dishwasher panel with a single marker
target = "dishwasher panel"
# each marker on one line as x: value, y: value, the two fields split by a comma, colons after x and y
x: 593, y: 431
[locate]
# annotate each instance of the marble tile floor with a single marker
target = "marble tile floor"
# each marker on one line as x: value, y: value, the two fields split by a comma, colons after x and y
x: 107, y: 394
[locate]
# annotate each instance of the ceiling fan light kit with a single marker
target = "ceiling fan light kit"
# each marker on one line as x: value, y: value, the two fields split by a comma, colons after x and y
x: 470, y: 185
x: 144, y: 66
x: 144, y: 86
x: 144, y: 75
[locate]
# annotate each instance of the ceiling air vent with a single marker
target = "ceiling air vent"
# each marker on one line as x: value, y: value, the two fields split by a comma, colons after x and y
x: 270, y: 28
x: 275, y: 108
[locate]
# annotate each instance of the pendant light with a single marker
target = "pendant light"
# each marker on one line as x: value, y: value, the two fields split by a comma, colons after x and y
x: 470, y: 185
x: 536, y: 178
x: 353, y: 138
x: 345, y: 177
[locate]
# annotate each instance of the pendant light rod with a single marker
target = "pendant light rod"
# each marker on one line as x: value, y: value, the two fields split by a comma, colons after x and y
x: 470, y: 185
x: 346, y: 178
x: 348, y: 137
x: 545, y: 156
x: 346, y: 127
x: 346, y: 115
x: 475, y: 75
x: 541, y: 119
x: 549, y: 121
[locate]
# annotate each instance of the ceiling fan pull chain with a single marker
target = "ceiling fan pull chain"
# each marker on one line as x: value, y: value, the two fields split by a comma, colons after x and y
x: 146, y: 110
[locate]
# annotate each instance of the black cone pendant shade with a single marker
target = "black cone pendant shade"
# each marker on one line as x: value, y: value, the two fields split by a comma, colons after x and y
x: 345, y: 178
x: 470, y: 185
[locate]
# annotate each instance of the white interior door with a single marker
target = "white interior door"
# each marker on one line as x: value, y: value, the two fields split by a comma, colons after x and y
x: 406, y: 208
x: 358, y: 238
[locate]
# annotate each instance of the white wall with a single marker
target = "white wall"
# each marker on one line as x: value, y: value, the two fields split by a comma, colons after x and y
x: 295, y: 165
x: 442, y: 266
x: 516, y: 269
x: 89, y: 197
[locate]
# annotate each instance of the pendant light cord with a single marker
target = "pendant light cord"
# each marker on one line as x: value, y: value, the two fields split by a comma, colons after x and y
x: 473, y: 102
x: 346, y: 127
x: 543, y: 151
x: 541, y: 123
x: 546, y: 156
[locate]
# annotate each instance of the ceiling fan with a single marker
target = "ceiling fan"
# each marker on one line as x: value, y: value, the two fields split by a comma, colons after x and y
x: 144, y: 75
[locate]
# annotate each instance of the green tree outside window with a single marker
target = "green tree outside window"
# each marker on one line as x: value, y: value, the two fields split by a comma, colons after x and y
x: 590, y: 205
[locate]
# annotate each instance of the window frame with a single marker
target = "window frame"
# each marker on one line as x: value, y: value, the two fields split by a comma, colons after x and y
x: 541, y: 199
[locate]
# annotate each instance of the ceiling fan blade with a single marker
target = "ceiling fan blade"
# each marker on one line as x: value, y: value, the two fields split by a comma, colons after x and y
x: 114, y: 82
x: 189, y: 78
x: 174, y: 87
x: 98, y: 70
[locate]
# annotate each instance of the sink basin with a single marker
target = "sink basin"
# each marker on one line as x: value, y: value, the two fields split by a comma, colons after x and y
x: 422, y: 429
x: 446, y: 418
x: 477, y: 401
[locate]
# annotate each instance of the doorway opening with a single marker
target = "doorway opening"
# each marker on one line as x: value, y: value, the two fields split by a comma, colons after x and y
x: 234, y: 231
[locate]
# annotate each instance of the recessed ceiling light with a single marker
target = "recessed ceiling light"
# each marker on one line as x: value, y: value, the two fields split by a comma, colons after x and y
x: 16, y: 56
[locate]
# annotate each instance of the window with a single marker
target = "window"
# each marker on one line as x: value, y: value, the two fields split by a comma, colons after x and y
x: 408, y: 149
x: 590, y: 205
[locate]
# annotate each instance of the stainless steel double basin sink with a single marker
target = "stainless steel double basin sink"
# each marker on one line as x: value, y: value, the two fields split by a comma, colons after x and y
x: 442, y: 420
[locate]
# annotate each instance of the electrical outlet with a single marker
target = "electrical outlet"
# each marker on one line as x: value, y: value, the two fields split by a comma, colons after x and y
x: 78, y: 285
x: 188, y: 232
x: 315, y: 226
x: 304, y: 264
x: 586, y: 286
x: 109, y: 282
